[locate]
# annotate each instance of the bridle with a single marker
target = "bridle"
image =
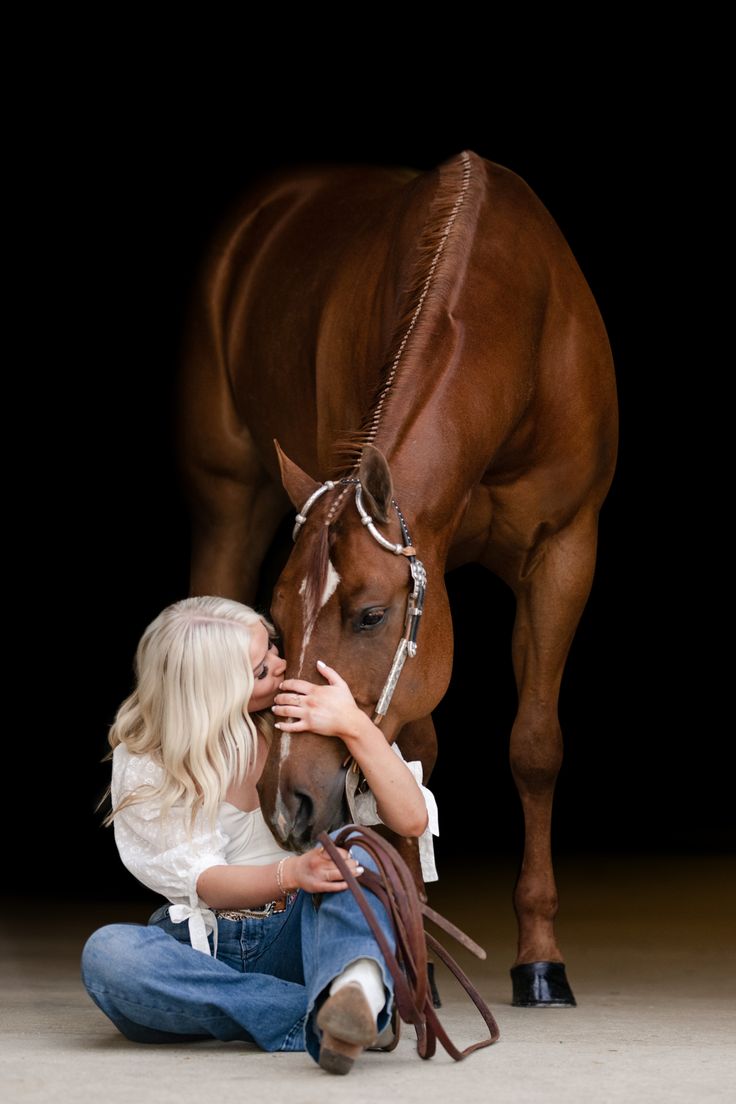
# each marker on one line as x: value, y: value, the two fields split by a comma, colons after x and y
x: 407, y: 646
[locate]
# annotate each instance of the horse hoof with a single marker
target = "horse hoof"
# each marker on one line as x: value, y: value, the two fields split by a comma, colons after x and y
x: 541, y: 985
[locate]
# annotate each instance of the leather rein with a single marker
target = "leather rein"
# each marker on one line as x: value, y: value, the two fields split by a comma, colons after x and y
x: 395, y: 888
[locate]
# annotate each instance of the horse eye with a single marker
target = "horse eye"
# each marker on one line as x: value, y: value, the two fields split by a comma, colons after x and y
x: 370, y: 618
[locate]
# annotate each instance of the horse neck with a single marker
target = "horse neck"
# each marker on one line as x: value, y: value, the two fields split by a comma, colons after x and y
x: 433, y: 460
x: 427, y: 418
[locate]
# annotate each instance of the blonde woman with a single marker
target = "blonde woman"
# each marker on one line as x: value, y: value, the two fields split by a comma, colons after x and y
x: 242, y: 950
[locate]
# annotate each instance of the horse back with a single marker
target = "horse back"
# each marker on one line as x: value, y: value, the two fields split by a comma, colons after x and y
x: 294, y: 302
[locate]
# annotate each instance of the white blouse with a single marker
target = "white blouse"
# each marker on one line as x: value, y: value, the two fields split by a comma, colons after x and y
x: 161, y: 854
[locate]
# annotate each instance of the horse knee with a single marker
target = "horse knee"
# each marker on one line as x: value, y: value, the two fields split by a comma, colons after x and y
x: 535, y: 757
x: 534, y: 778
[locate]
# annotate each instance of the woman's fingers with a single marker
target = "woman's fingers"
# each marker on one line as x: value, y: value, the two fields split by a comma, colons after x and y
x: 288, y: 699
x: 288, y: 709
x: 318, y: 879
x: 308, y: 708
x: 290, y: 714
x: 326, y: 876
x: 329, y: 673
x: 292, y: 718
x: 299, y: 686
x: 329, y: 868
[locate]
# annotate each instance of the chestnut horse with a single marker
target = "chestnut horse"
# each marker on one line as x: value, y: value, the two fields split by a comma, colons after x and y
x: 431, y: 335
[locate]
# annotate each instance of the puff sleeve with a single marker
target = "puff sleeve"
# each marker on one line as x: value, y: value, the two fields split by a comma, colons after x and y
x: 364, y: 810
x: 160, y: 852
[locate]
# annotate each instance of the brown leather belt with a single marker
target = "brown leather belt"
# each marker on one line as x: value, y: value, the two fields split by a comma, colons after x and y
x: 257, y: 913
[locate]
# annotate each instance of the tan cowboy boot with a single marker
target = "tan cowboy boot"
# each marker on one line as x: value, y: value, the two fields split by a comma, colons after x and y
x: 348, y: 1027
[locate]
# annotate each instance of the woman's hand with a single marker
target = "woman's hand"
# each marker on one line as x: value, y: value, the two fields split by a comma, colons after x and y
x: 327, y: 710
x: 316, y: 872
x: 232, y: 886
x: 331, y: 711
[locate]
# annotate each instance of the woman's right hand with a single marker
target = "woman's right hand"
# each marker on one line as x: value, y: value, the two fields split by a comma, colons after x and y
x: 316, y: 872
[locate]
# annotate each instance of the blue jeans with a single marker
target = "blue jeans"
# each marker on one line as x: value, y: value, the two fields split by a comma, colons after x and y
x: 266, y: 985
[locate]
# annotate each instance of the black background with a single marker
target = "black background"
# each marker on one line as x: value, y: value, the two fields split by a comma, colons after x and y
x: 132, y: 178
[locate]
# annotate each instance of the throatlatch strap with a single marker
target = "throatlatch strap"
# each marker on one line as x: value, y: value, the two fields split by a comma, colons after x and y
x: 395, y: 888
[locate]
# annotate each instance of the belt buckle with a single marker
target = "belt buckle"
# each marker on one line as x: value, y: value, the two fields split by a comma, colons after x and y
x: 268, y: 909
x: 258, y: 914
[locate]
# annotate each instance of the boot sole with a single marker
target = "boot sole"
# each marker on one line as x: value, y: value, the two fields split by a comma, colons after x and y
x: 348, y: 1027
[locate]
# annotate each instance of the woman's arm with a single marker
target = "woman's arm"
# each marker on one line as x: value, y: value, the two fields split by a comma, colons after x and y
x: 331, y: 711
x: 183, y: 865
x: 242, y: 887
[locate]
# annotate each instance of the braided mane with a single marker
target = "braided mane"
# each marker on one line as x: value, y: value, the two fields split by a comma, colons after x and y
x: 436, y: 268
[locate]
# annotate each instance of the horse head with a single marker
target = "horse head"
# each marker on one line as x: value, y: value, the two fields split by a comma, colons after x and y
x: 343, y: 598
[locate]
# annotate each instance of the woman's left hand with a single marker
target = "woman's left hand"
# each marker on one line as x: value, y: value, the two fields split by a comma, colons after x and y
x: 327, y: 710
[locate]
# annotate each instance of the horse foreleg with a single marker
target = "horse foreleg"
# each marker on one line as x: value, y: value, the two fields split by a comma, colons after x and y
x: 235, y: 507
x: 550, y: 600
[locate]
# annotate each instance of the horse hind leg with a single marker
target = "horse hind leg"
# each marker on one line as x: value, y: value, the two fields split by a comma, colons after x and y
x: 550, y: 601
x: 234, y: 516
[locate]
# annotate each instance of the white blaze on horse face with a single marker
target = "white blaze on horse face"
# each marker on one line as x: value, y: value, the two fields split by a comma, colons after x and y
x: 330, y: 587
x: 330, y: 584
x: 280, y: 810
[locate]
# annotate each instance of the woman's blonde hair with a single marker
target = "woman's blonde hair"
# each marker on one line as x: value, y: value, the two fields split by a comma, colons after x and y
x: 189, y: 709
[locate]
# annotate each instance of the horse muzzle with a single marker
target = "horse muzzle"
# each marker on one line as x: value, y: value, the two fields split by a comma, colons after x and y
x: 298, y: 809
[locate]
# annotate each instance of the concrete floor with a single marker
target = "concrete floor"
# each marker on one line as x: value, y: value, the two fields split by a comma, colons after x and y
x: 649, y: 945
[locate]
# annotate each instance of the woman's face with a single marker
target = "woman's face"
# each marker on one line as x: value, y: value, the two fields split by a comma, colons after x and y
x: 268, y: 669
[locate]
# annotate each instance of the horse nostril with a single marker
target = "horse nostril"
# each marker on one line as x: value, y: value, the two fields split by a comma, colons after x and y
x: 304, y: 815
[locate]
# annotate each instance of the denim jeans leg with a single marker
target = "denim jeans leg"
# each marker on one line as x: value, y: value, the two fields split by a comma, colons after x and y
x: 335, y: 934
x: 144, y: 977
x: 279, y: 949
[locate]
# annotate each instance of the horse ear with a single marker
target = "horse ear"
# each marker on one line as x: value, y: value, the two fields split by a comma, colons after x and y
x: 378, y: 488
x: 297, y: 484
